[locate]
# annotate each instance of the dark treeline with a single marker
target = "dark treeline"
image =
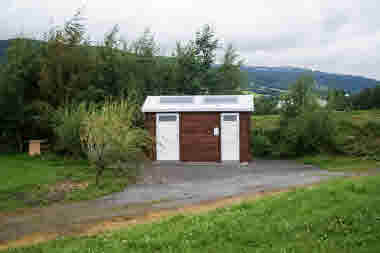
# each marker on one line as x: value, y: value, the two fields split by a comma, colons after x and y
x: 66, y: 68
x: 368, y: 98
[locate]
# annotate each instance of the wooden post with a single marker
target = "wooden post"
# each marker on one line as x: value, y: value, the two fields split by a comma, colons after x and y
x: 34, y: 147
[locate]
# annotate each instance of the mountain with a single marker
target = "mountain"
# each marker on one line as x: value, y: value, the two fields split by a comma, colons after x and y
x: 282, y: 77
x: 3, y: 47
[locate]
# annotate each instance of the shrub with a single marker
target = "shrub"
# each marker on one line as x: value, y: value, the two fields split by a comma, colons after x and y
x: 363, y: 141
x: 260, y: 143
x: 67, y: 123
x: 110, y: 138
x: 307, y: 133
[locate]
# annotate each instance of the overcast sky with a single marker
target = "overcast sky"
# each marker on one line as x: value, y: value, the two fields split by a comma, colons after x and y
x: 341, y: 36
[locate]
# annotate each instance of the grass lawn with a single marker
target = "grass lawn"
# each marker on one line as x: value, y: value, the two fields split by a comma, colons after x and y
x: 339, y: 216
x: 341, y: 163
x: 30, y: 182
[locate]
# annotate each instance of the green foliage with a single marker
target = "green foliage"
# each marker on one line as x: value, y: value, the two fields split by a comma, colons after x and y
x: 337, y: 100
x: 304, y: 127
x: 265, y: 105
x: 308, y: 133
x: 67, y: 68
x: 111, y: 140
x: 338, y: 216
x: 260, y: 143
x: 362, y: 141
x: 299, y: 99
x: 356, y: 133
x: 68, y: 121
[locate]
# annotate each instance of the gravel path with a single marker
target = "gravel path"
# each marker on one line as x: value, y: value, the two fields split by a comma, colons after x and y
x: 164, y: 185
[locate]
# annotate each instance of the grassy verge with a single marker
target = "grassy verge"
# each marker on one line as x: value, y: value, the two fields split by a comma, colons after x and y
x: 340, y: 163
x: 339, y: 216
x: 358, y: 118
x: 29, y: 182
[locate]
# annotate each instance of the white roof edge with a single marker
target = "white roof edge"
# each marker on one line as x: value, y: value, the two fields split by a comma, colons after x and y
x: 245, y: 104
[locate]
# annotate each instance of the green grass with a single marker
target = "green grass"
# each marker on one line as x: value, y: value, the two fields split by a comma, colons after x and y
x: 339, y: 216
x: 358, y: 118
x: 265, y: 121
x: 28, y: 182
x: 341, y: 163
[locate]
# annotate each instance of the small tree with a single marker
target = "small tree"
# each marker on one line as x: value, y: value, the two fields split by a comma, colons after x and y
x: 299, y: 99
x: 111, y: 140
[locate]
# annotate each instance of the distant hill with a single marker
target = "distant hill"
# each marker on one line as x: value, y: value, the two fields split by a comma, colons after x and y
x: 282, y: 77
x: 3, y: 47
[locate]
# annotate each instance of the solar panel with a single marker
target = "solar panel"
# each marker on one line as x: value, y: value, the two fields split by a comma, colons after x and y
x: 176, y: 100
x: 220, y: 100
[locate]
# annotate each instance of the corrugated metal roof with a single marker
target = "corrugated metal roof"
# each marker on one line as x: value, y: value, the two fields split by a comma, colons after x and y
x: 232, y: 103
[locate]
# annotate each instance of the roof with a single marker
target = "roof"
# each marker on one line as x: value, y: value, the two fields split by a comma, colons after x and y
x: 233, y: 103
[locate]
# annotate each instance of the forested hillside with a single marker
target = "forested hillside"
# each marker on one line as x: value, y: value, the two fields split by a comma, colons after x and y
x: 282, y: 77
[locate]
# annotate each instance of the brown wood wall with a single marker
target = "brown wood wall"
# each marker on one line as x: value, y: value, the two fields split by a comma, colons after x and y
x: 150, y: 125
x: 197, y: 142
x: 245, y: 126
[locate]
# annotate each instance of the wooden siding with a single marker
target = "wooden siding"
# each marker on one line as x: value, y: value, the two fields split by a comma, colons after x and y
x: 150, y: 125
x: 245, y: 126
x: 197, y: 142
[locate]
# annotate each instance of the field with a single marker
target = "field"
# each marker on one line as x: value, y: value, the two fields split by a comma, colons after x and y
x: 357, y: 117
x: 338, y: 216
x: 31, y: 182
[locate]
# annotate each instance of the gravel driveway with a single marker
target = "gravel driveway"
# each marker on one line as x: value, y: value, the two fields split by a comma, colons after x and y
x: 195, y: 182
x: 163, y: 185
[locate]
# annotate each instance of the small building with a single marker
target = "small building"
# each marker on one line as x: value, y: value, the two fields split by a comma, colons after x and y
x: 199, y: 128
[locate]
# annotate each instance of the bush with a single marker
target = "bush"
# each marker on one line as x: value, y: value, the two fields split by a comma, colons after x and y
x: 260, y: 143
x: 307, y: 133
x: 67, y: 123
x: 363, y: 141
x: 111, y: 140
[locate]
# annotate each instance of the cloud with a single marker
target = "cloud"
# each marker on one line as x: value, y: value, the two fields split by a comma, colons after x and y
x: 335, y: 36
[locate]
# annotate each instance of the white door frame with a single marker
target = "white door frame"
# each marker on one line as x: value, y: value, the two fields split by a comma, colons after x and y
x: 158, y: 129
x: 238, y: 134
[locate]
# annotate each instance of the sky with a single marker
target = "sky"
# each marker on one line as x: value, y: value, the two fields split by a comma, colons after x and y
x: 337, y: 36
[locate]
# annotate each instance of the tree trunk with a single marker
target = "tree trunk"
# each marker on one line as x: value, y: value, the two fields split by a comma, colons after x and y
x: 99, y: 173
x: 19, y: 142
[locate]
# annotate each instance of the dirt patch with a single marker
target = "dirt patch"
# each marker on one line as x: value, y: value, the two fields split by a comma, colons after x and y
x: 68, y: 186
x: 145, y: 217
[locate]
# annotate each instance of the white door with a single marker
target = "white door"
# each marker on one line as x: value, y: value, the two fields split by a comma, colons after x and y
x: 230, y: 135
x: 167, y: 136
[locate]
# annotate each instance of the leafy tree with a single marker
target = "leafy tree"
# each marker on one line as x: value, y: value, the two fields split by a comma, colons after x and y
x: 110, y: 139
x: 230, y: 77
x: 337, y: 100
x: 19, y: 92
x: 300, y: 98
x: 265, y: 105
